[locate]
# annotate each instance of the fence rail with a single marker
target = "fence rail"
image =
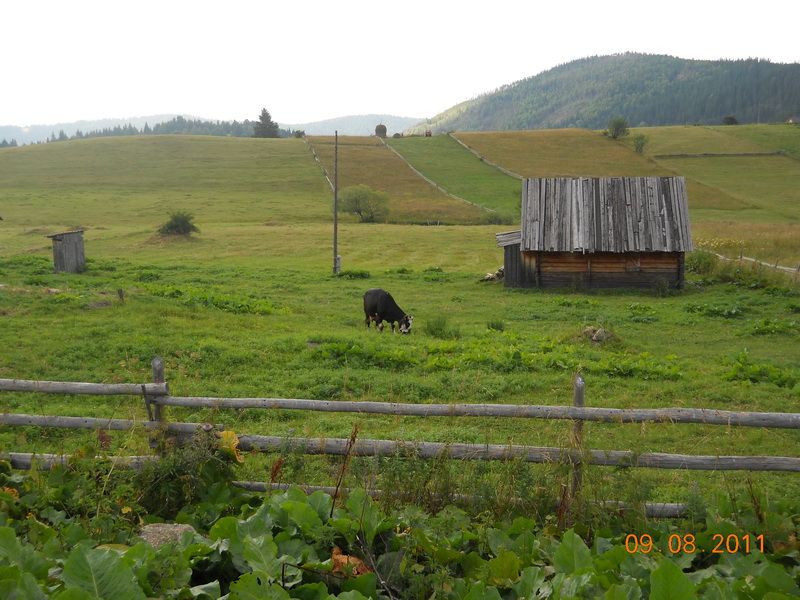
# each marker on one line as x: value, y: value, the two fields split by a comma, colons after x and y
x: 156, y: 396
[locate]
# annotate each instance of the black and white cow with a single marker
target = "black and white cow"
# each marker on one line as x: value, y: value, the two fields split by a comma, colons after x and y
x: 379, y: 306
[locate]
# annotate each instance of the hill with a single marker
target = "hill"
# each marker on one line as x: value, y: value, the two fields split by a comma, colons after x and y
x: 365, y: 160
x: 354, y: 125
x: 39, y: 133
x: 742, y: 181
x: 645, y: 89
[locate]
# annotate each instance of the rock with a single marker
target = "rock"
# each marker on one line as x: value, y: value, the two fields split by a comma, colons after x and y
x: 597, y: 334
x: 158, y: 534
x: 601, y: 335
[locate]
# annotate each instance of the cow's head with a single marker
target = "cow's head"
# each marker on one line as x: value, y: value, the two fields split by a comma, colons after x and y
x: 405, y: 324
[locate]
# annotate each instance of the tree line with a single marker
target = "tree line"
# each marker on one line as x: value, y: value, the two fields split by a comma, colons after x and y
x: 648, y: 89
x: 264, y: 126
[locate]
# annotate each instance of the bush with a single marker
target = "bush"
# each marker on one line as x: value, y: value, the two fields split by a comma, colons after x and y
x: 701, y: 262
x: 180, y: 223
x: 368, y: 204
x: 730, y: 120
x: 496, y: 325
x: 353, y: 274
x: 639, y: 142
x: 380, y: 130
x: 438, y: 327
x: 617, y: 128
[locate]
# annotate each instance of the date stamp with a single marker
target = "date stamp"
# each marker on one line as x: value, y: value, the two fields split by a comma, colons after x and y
x: 687, y: 544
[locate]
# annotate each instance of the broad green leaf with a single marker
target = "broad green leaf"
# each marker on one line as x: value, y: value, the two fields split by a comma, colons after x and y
x: 14, y: 553
x: 774, y: 578
x: 206, y: 591
x: 623, y: 591
x: 504, y: 570
x: 262, y: 556
x: 668, y: 582
x: 22, y: 587
x: 366, y: 584
x: 311, y: 591
x: 529, y: 582
x: 225, y: 528
x: 475, y: 567
x: 352, y: 595
x: 9, y: 545
x: 366, y: 513
x: 479, y: 591
x: 253, y: 587
x: 304, y: 516
x: 100, y: 573
x: 572, y: 555
x: 498, y: 541
x: 73, y: 594
x: 322, y: 503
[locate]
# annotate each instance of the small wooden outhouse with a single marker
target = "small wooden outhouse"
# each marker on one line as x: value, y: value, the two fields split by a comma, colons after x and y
x: 599, y: 232
x: 68, y: 254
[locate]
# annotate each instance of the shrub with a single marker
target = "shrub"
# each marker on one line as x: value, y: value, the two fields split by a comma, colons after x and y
x: 438, y: 327
x: 179, y: 223
x: 353, y: 274
x: 745, y: 370
x: 496, y: 325
x: 639, y: 142
x: 701, y: 262
x: 380, y: 130
x: 730, y: 120
x: 617, y: 128
x: 369, y: 205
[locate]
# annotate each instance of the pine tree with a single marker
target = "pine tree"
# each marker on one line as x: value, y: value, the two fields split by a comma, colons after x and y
x: 265, y: 127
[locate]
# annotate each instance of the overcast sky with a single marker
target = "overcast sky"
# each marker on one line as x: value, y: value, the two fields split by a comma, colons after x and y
x: 68, y: 60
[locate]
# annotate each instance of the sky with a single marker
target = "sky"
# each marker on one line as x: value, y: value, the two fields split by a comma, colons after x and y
x: 64, y: 61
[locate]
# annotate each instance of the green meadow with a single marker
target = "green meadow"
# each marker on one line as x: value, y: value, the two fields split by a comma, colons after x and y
x: 443, y: 160
x: 248, y: 307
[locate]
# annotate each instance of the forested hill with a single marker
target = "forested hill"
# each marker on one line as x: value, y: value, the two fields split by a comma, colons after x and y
x: 645, y: 89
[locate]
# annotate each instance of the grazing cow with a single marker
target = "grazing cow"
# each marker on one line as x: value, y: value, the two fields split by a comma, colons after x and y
x: 379, y: 306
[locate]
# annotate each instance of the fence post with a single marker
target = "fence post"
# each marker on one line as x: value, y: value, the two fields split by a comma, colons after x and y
x: 577, y: 435
x: 570, y: 492
x: 159, y: 415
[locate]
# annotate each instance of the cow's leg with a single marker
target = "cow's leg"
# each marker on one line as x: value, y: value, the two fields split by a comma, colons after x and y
x: 367, y: 321
x: 379, y: 324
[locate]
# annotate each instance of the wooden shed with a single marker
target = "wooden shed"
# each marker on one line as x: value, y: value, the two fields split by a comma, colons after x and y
x: 604, y: 232
x: 68, y: 254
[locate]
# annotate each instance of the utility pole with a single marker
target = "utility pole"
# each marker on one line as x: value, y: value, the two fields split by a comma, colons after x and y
x: 337, y: 260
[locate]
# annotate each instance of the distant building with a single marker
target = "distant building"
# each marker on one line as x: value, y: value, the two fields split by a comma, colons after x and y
x: 599, y: 233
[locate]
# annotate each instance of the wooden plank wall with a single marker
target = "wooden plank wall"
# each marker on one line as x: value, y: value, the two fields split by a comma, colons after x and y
x: 609, y: 269
x: 68, y: 253
x: 605, y: 214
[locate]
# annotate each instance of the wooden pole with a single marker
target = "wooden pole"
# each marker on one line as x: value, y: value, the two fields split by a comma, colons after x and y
x: 365, y: 447
x: 701, y: 416
x: 158, y: 378
x: 159, y: 414
x: 577, y: 435
x: 77, y: 387
x: 336, y: 260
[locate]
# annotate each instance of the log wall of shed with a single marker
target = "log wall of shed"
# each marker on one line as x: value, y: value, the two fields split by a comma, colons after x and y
x: 592, y: 270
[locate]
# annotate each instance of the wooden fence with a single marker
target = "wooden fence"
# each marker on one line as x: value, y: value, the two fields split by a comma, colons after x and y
x: 156, y: 395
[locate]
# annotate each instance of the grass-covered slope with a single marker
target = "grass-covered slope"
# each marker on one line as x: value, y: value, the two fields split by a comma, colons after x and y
x: 747, y: 201
x: 446, y: 162
x: 365, y: 160
x: 135, y: 181
x: 645, y: 89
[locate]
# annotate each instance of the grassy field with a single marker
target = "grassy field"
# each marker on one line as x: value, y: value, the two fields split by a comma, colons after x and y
x: 461, y: 173
x: 365, y: 160
x: 248, y: 308
x: 736, y: 203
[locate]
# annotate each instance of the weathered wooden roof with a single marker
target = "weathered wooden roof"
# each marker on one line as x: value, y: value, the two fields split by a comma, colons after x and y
x: 605, y: 214
x: 507, y: 238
